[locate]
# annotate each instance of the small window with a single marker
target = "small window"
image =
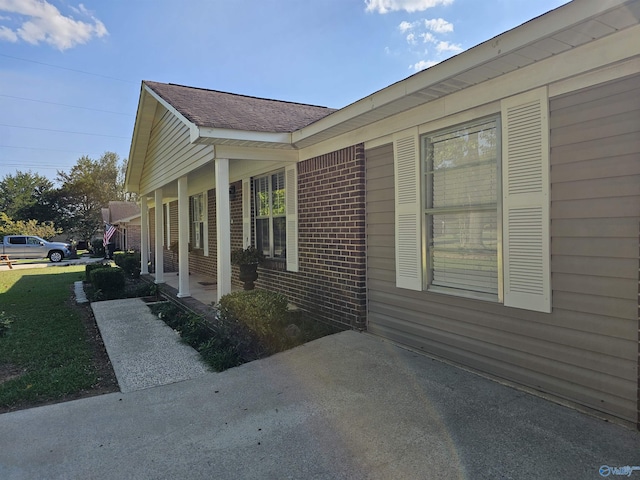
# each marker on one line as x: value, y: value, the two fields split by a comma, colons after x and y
x: 197, y: 221
x: 18, y: 241
x: 462, y: 188
x: 270, y: 218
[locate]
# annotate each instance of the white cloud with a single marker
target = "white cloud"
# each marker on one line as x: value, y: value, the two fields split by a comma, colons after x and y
x: 8, y: 35
x: 404, y: 26
x: 439, y: 25
x: 444, y: 46
x: 411, y: 39
x: 428, y: 37
x: 423, y: 64
x: 386, y: 6
x: 47, y: 24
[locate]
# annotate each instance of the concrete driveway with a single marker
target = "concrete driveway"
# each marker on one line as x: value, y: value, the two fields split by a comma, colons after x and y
x: 347, y: 406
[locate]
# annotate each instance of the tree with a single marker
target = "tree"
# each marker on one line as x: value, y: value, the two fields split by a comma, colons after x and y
x: 24, y: 196
x: 86, y: 189
x: 9, y: 226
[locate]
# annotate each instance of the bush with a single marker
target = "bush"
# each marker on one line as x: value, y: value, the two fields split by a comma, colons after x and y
x: 93, y: 266
x: 262, y: 311
x: 109, y: 281
x: 129, y: 262
x: 97, y: 247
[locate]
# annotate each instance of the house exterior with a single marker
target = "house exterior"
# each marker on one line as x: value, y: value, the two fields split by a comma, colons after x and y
x: 125, y: 216
x: 485, y: 211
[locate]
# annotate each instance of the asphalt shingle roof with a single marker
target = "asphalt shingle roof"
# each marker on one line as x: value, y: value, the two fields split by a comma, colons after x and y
x: 211, y: 108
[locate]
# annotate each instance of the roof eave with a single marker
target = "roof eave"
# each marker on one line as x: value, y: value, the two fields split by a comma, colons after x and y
x: 212, y: 135
x: 560, y: 19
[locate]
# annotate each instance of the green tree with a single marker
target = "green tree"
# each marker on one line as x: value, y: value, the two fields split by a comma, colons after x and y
x: 9, y: 226
x: 25, y: 196
x: 86, y: 189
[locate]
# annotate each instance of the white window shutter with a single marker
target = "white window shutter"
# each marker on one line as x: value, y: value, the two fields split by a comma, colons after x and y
x: 408, y: 210
x: 525, y: 208
x: 246, y: 213
x: 291, y: 192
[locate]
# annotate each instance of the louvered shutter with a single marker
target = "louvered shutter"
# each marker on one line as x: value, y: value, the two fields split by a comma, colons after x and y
x: 408, y: 210
x: 525, y: 188
x: 246, y: 213
x: 291, y: 207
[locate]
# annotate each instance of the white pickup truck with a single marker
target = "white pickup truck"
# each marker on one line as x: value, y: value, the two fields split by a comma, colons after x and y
x: 30, y: 246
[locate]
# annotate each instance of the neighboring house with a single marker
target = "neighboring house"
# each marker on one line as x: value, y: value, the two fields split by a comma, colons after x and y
x: 485, y: 210
x: 125, y: 216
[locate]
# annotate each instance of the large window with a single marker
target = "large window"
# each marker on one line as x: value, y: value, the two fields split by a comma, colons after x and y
x: 461, y: 208
x: 270, y: 215
x: 198, y: 212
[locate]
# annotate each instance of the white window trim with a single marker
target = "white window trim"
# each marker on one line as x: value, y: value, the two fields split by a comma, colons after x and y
x: 516, y: 289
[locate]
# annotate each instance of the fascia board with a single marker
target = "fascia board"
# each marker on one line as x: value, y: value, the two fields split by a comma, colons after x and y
x: 243, y: 135
x: 548, y: 24
x: 233, y: 152
x: 137, y: 152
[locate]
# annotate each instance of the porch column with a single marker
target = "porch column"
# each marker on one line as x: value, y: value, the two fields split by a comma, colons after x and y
x: 159, y: 236
x: 144, y: 236
x: 223, y: 226
x: 183, y: 238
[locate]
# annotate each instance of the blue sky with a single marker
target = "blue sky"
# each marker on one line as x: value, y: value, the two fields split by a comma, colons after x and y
x: 70, y: 72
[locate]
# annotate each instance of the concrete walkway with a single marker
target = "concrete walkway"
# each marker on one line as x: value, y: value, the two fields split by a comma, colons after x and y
x: 144, y: 351
x: 347, y: 406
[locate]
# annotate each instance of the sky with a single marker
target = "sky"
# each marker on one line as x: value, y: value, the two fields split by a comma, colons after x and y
x: 70, y: 72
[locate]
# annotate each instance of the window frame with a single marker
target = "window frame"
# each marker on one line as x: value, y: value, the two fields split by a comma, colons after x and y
x: 427, y: 212
x: 270, y: 217
x: 197, y: 226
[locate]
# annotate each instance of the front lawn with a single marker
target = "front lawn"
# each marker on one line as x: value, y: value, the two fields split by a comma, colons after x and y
x: 52, y: 350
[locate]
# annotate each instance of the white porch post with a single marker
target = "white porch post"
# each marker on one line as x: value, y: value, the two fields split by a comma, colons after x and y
x: 159, y: 235
x: 183, y: 238
x: 223, y: 226
x: 144, y: 236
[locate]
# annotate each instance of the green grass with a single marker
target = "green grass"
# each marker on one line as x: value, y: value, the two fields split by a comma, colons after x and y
x: 46, y: 339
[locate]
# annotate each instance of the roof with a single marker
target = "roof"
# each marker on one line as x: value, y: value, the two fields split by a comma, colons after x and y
x: 120, y: 211
x: 225, y: 119
x: 570, y: 26
x: 215, y: 109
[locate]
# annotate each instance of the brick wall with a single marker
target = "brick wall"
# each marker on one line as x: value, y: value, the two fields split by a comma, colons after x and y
x: 133, y: 237
x: 331, y: 224
x: 330, y: 283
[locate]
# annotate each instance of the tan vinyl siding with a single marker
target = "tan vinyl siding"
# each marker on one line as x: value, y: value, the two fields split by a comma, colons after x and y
x: 170, y: 155
x: 586, y: 350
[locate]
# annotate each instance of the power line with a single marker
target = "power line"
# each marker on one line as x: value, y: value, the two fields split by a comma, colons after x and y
x: 64, y: 105
x: 69, y: 69
x: 48, y: 149
x: 62, y: 131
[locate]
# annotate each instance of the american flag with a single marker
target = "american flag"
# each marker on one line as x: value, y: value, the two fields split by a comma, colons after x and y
x: 109, y: 230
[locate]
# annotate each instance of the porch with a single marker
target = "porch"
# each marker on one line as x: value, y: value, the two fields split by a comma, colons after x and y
x: 203, y: 290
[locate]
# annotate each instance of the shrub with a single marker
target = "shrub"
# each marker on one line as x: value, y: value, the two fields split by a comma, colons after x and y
x: 195, y: 331
x: 262, y: 311
x: 109, y: 281
x: 97, y: 247
x: 93, y: 266
x: 129, y: 262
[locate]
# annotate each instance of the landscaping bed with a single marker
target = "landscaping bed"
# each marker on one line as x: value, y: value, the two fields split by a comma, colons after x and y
x: 246, y: 326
